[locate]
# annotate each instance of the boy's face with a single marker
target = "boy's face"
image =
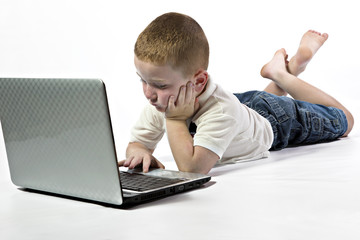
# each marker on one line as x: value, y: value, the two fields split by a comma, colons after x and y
x: 159, y: 83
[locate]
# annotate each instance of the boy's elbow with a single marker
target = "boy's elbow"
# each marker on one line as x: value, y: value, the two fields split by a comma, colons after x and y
x: 201, y: 162
x: 194, y: 170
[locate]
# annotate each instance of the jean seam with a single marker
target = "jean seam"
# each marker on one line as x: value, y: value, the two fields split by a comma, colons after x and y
x: 279, y: 111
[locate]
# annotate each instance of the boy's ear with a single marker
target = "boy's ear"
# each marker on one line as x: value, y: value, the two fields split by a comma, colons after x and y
x: 201, y: 78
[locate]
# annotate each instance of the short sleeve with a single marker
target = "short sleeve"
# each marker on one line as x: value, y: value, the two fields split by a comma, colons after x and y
x: 215, y: 132
x: 149, y: 128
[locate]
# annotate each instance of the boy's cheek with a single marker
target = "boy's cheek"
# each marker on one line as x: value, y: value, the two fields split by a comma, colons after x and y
x: 165, y: 99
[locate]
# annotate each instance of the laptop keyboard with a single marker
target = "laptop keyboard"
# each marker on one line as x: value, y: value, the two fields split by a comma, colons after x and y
x: 139, y: 182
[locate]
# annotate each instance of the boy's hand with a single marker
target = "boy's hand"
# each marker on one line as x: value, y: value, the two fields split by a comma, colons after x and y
x: 137, y: 155
x: 185, y: 105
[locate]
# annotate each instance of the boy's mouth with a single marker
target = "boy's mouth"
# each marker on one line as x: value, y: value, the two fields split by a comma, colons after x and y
x: 158, y: 107
x: 154, y: 104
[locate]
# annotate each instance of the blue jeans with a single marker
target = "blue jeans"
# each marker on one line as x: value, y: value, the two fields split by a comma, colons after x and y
x: 296, y: 122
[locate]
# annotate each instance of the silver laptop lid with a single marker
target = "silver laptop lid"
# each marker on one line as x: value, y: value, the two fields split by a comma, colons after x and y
x: 58, y: 137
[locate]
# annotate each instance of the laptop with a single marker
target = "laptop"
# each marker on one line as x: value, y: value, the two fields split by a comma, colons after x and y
x: 59, y: 140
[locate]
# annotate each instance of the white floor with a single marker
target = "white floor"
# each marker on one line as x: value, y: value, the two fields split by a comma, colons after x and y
x: 309, y: 192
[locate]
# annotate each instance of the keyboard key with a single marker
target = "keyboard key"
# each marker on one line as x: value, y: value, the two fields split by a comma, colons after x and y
x: 139, y: 182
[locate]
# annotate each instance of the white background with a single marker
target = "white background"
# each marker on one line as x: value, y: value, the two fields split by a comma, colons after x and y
x: 95, y: 39
x: 314, y: 194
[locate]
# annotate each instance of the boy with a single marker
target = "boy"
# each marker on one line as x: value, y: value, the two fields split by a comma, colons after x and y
x: 171, y: 58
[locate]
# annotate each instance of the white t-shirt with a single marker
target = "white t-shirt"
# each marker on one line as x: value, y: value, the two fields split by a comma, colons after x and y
x: 224, y: 125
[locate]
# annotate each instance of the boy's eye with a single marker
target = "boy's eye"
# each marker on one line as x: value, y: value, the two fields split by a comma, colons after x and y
x: 159, y: 86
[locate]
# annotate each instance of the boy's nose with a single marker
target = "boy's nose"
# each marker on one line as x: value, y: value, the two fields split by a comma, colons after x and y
x: 150, y: 93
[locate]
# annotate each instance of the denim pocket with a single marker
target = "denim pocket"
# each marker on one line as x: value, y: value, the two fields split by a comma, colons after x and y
x: 315, y: 125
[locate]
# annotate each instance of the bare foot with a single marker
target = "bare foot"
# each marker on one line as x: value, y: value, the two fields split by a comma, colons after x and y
x: 272, y: 69
x: 309, y: 45
x: 276, y: 66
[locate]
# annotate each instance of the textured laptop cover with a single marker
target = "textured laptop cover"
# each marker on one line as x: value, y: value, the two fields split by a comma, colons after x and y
x: 52, y: 128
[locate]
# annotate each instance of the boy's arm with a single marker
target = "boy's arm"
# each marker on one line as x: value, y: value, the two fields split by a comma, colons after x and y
x: 188, y: 158
x: 137, y: 154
